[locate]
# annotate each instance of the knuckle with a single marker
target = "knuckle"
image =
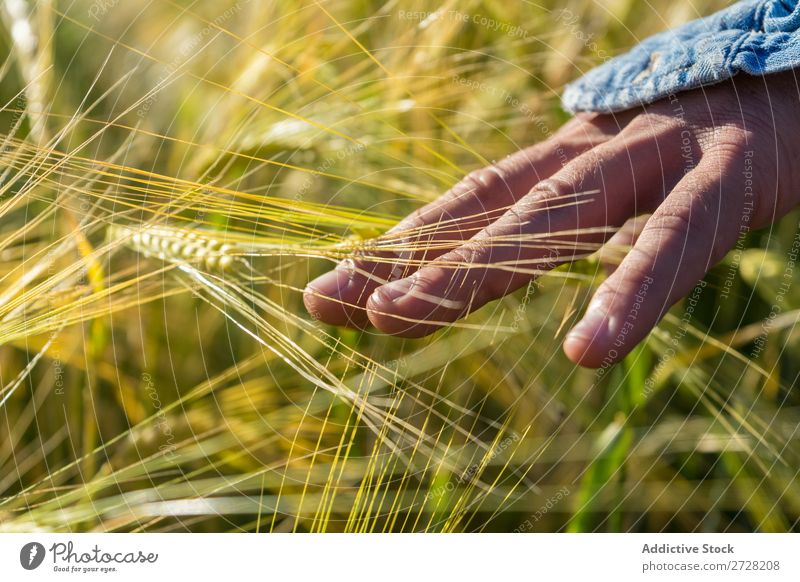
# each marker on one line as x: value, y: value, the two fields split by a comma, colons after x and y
x: 415, y: 220
x: 728, y: 139
x: 586, y: 130
x: 670, y: 221
x: 521, y: 212
x: 486, y: 185
x: 548, y: 190
x: 692, y: 229
x: 638, y: 264
x: 658, y: 121
x: 479, y: 274
x: 485, y: 181
x: 589, y: 171
x: 474, y: 253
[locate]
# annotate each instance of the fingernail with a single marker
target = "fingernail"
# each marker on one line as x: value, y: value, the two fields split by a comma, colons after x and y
x: 393, y: 291
x: 331, y: 284
x: 593, y: 324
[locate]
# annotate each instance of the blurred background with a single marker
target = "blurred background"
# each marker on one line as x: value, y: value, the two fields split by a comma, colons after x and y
x: 173, y: 172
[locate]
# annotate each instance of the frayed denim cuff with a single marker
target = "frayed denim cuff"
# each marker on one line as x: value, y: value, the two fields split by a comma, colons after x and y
x: 756, y: 37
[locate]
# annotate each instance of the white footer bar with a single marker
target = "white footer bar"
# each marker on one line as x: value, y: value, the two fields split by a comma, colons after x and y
x: 401, y: 557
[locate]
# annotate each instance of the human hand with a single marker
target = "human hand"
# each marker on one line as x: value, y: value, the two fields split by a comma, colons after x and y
x: 709, y: 164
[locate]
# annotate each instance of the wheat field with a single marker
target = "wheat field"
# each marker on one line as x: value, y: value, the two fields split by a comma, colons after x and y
x: 173, y: 172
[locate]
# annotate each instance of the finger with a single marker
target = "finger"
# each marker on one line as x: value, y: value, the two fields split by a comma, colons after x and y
x: 339, y: 296
x: 539, y: 231
x: 615, y: 248
x: 686, y: 236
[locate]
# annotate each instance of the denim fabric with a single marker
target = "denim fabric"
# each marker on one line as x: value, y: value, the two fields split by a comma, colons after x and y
x: 754, y: 36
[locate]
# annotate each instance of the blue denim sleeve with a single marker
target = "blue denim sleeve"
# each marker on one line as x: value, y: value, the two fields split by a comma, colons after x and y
x: 756, y: 37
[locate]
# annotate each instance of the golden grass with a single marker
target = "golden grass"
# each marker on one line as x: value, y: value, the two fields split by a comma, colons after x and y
x: 171, y: 176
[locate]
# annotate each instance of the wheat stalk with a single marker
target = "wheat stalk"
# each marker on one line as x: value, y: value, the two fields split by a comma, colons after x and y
x: 178, y: 245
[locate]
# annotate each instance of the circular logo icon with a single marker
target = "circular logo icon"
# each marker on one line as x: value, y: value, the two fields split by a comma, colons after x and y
x: 31, y: 555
